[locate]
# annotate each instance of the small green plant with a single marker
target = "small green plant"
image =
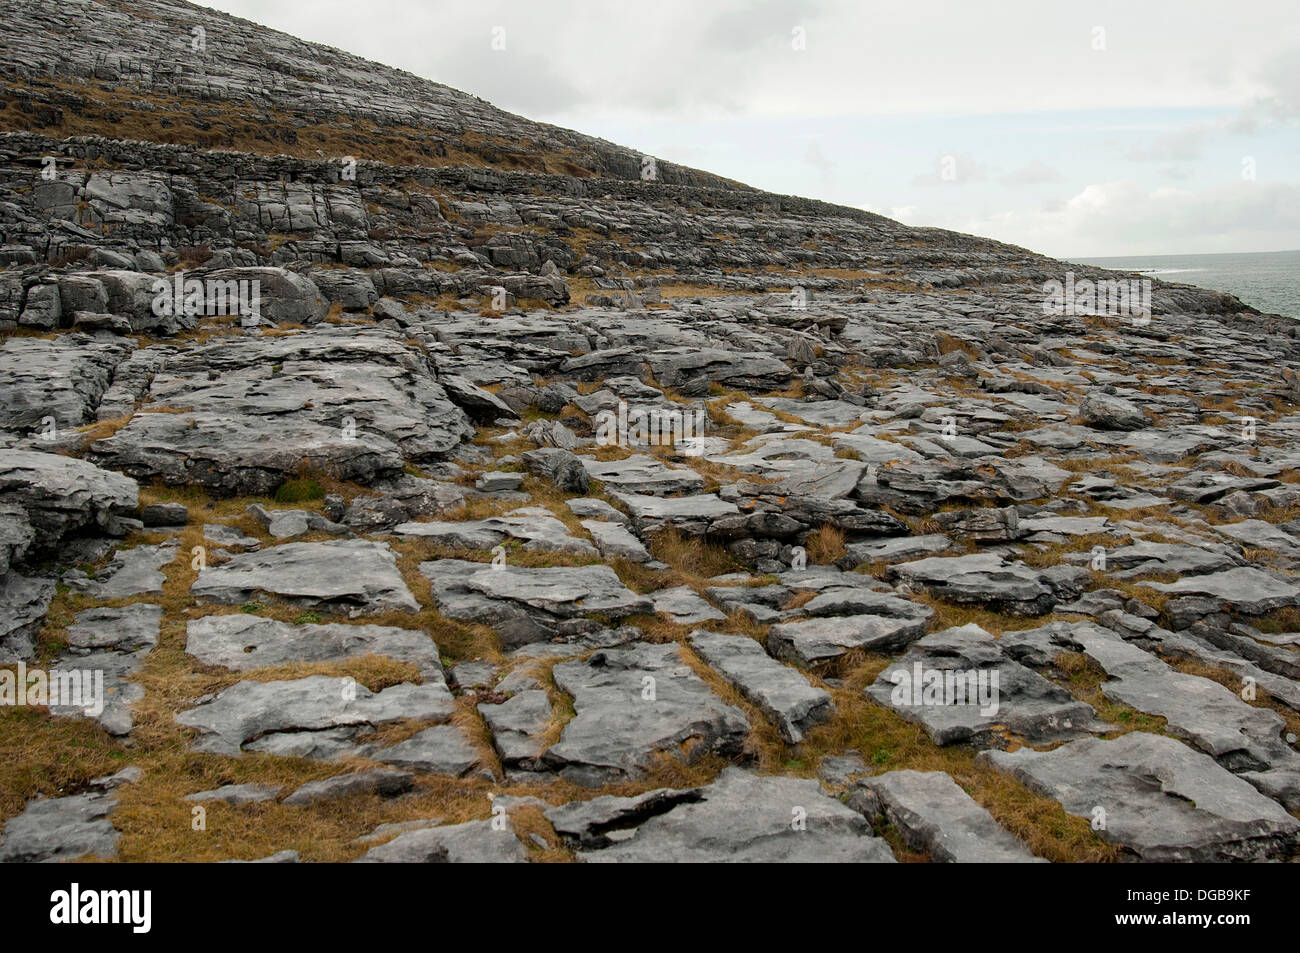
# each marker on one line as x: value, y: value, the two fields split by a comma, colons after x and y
x: 253, y: 606
x: 307, y: 617
x: 299, y: 489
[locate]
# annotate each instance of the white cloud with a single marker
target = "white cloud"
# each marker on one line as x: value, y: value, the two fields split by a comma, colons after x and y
x: 1124, y: 218
x: 926, y: 56
x: 1183, y: 90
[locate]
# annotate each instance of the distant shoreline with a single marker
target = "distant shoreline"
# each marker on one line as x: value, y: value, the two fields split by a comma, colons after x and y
x: 1268, y: 281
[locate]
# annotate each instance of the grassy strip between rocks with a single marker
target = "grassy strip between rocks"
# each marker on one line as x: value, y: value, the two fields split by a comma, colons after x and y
x: 158, y: 824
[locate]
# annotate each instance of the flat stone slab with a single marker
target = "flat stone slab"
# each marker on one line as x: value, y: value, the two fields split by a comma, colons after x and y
x: 1160, y: 800
x: 236, y: 794
x: 860, y: 600
x: 380, y: 781
x: 1263, y: 535
x: 103, y: 677
x: 982, y: 578
x: 1169, y: 444
x: 63, y: 378
x: 828, y: 480
x: 244, y: 642
x: 561, y: 590
x: 385, y: 832
x: 1204, y: 487
x: 962, y: 689
x: 354, y: 574
x: 642, y: 473
x: 539, y: 530
x: 442, y: 749
x: 60, y: 829
x: 893, y: 623
x: 896, y: 550
x: 823, y: 413
x: 517, y: 725
x: 633, y: 703
x: 229, y: 536
x: 744, y: 818
x: 683, y: 606
x: 354, y: 401
x: 474, y: 842
x: 105, y: 648
x: 783, y: 694
x: 1202, y: 712
x: 61, y: 494
x: 934, y: 814
x: 615, y: 542
x: 689, y: 514
x: 1046, y: 528
x: 24, y: 600
x: 526, y: 605
x: 596, y: 509
x: 126, y: 629
x: 236, y: 455
x: 232, y: 721
x: 132, y: 572
x: 607, y: 819
x: 873, y: 450
x: 779, y: 455
x: 1245, y: 589
x: 1147, y: 558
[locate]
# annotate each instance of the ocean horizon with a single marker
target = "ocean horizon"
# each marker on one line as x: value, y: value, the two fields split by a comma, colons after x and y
x: 1267, y: 281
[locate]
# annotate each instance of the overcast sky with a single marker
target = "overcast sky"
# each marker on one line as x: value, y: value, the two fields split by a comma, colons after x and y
x: 1080, y: 128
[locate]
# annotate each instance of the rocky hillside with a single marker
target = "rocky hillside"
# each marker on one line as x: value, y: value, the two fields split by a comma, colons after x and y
x: 426, y: 483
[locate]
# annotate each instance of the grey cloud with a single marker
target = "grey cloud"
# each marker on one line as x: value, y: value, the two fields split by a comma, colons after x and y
x: 1282, y: 73
x: 757, y: 24
x: 523, y: 82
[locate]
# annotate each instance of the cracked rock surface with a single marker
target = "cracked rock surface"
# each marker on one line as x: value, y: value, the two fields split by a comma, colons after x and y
x: 490, y: 503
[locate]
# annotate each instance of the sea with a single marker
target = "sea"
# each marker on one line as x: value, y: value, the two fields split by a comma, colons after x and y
x: 1267, y: 281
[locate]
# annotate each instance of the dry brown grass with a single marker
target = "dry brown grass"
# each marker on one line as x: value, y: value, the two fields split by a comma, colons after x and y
x: 1285, y: 619
x: 51, y: 757
x: 695, y: 559
x: 1051, y: 555
x: 1134, y: 590
x: 947, y: 344
x: 155, y: 820
x: 888, y: 742
x: 529, y: 822
x: 948, y: 615
x: 825, y: 545
x: 114, y: 112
